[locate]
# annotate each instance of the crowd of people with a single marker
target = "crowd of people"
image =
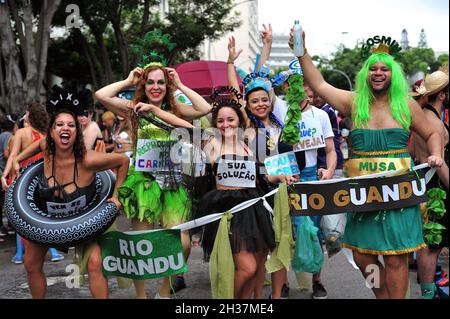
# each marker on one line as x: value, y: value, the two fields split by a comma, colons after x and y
x: 381, y: 118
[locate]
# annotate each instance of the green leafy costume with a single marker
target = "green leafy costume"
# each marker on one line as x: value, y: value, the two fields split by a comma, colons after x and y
x: 155, y: 194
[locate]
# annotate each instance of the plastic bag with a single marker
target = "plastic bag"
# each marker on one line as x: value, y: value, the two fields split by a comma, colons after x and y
x: 308, y: 256
x: 333, y: 227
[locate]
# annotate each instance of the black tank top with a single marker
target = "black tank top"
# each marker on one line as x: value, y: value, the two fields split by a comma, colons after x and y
x: 50, y: 196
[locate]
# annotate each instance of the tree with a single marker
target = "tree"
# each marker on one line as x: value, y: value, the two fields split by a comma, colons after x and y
x: 24, y: 34
x: 416, y: 59
x: 344, y: 61
x: 109, y: 29
x: 67, y: 60
x: 100, y: 40
x: 2, y: 84
x: 443, y: 58
x: 199, y: 19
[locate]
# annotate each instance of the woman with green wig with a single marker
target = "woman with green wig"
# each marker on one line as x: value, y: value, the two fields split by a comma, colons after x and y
x: 382, y: 115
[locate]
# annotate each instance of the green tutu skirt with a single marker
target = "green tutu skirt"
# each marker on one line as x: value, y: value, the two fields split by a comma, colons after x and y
x: 142, y: 198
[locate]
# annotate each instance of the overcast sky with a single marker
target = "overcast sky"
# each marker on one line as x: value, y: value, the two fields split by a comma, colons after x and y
x: 330, y: 22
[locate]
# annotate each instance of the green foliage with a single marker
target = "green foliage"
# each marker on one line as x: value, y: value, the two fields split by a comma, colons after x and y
x: 153, y: 47
x: 344, y: 60
x: 414, y: 60
x: 199, y: 19
x: 67, y: 62
x: 432, y: 231
x: 189, y: 23
x: 437, y: 193
x: 294, y: 96
x: 443, y: 59
x: 435, y: 204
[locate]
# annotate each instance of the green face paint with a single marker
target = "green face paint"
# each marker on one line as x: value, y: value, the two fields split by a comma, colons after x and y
x: 159, y: 82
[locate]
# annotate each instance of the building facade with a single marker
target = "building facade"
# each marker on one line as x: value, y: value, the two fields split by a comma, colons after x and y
x: 281, y: 54
x: 247, y: 38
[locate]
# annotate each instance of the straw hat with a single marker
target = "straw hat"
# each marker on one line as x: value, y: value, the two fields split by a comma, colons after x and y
x: 435, y: 82
x: 418, y: 88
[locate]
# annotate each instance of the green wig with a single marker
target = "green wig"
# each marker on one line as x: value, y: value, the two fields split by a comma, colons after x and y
x: 397, y: 93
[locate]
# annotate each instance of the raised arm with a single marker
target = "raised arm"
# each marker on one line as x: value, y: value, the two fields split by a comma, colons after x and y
x: 199, y: 106
x: 32, y: 149
x: 169, y: 118
x: 7, y: 147
x: 233, y: 54
x: 331, y: 159
x: 16, y: 144
x: 427, y: 132
x: 108, y: 94
x: 266, y: 38
x: 443, y: 174
x: 15, y: 149
x: 96, y: 161
x: 12, y: 167
x: 340, y: 99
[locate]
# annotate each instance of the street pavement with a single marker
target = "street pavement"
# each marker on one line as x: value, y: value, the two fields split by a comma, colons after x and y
x: 339, y: 277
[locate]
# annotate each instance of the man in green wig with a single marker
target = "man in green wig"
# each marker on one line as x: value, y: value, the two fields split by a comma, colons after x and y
x: 382, y: 115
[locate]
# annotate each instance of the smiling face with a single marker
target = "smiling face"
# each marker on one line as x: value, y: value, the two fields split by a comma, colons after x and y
x: 64, y: 131
x: 379, y: 77
x: 156, y: 87
x: 259, y: 104
x: 227, y: 121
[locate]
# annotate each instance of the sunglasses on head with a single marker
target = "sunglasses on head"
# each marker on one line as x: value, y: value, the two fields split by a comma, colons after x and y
x: 85, y: 113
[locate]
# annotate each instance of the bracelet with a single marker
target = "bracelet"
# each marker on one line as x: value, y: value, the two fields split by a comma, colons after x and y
x: 228, y: 62
x: 305, y: 52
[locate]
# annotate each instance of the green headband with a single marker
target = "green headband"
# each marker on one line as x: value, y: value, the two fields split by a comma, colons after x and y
x: 155, y: 44
x: 385, y: 45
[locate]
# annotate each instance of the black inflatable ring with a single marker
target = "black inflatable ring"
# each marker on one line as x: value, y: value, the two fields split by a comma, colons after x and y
x: 34, y: 224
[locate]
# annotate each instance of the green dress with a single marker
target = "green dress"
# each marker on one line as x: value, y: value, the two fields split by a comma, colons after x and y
x: 155, y: 195
x: 391, y: 232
